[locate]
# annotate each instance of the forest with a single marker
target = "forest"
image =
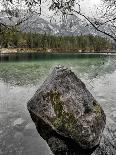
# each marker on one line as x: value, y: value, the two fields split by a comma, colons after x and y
x: 13, y: 38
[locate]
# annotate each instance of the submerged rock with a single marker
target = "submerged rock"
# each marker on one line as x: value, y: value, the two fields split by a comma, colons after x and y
x: 19, y: 124
x: 18, y: 121
x: 113, y: 114
x: 66, y: 115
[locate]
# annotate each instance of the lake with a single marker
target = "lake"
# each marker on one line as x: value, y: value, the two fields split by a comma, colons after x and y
x: 21, y: 77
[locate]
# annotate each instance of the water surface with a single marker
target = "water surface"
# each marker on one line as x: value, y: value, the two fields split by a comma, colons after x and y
x: 19, y: 81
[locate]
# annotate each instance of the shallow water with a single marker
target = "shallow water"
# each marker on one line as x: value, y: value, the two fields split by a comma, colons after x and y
x: 20, y: 80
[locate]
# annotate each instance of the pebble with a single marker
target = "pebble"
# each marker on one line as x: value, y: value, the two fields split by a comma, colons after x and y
x: 18, y: 121
x: 113, y: 114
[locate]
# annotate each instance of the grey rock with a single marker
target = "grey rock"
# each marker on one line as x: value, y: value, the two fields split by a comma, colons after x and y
x: 18, y: 121
x: 66, y: 115
x: 114, y: 114
x: 19, y: 124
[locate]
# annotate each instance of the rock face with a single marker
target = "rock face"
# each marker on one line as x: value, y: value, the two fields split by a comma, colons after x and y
x: 66, y: 115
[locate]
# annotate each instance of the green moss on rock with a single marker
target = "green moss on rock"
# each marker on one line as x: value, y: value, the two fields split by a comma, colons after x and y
x: 56, y: 103
x: 63, y: 119
x: 97, y: 110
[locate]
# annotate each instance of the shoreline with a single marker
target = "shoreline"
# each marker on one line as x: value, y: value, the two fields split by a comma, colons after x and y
x: 54, y: 51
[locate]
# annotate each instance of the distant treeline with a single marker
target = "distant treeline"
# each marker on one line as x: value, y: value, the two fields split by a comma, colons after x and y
x: 17, y: 39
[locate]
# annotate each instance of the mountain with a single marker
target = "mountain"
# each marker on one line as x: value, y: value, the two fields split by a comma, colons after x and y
x: 71, y: 26
x: 39, y: 25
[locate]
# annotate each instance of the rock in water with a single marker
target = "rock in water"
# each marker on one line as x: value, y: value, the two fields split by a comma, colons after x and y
x: 66, y: 115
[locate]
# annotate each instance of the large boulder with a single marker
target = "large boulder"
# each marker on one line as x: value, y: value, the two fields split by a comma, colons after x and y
x: 66, y: 114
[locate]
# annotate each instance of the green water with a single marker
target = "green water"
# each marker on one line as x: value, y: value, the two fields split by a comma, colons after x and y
x: 32, y: 72
x: 19, y: 81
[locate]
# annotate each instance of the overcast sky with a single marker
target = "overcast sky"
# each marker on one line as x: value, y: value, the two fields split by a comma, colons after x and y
x: 90, y: 5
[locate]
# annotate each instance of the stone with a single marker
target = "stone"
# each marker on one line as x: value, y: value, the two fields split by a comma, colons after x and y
x: 113, y: 114
x: 19, y: 124
x: 66, y: 114
x: 18, y: 121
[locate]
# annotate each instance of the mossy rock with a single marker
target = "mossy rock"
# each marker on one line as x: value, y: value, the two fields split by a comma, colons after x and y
x: 63, y: 108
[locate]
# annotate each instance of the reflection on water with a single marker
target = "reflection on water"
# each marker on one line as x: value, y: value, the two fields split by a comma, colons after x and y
x: 19, y: 81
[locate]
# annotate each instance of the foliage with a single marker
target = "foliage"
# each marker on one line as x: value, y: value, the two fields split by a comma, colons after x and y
x: 14, y: 38
x: 104, y: 23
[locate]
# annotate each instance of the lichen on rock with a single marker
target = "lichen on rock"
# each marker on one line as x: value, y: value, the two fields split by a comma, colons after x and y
x: 65, y: 111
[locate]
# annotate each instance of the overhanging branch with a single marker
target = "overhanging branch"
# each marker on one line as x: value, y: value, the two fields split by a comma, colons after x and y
x: 97, y: 28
